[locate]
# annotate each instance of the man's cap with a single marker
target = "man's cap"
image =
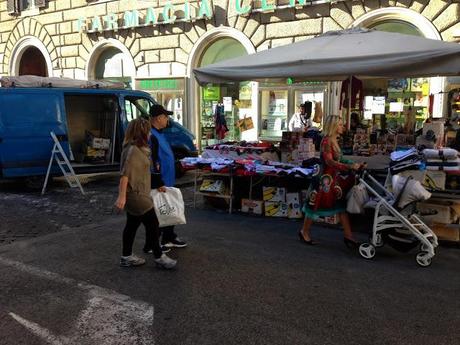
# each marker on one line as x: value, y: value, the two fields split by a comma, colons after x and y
x: 157, y: 110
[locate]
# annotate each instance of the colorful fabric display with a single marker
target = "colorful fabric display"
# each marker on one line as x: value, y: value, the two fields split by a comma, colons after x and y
x: 398, y: 156
x: 446, y: 154
x: 443, y: 163
x: 404, y: 160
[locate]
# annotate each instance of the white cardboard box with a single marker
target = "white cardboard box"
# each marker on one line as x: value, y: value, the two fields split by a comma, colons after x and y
x: 274, y: 194
x: 275, y: 209
x: 252, y: 206
x: 294, y: 205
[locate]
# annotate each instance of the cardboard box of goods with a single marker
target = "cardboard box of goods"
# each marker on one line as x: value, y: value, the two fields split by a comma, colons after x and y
x: 435, y: 179
x: 252, y: 206
x: 274, y: 194
x: 94, y: 140
x: 446, y: 232
x: 434, y: 212
x: 332, y: 219
x: 93, y: 153
x: 275, y: 209
x: 294, y: 205
x: 213, y: 186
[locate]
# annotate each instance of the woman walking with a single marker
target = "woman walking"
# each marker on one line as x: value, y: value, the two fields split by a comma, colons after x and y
x: 327, y: 193
x: 134, y: 195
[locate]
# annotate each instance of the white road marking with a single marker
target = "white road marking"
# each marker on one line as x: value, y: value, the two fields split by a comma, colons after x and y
x: 109, y: 318
x: 39, y: 331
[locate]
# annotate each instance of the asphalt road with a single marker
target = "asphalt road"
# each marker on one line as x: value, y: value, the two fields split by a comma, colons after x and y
x: 242, y: 280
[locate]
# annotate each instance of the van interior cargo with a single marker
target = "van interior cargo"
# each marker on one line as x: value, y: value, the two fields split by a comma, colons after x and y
x: 93, y: 131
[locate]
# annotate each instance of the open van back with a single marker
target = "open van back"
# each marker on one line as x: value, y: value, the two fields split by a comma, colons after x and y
x: 89, y: 123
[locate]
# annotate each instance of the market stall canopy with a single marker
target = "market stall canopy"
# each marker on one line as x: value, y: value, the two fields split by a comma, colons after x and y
x: 336, y: 55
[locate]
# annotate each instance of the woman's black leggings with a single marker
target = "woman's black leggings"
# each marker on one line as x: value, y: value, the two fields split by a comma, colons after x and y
x: 152, y: 232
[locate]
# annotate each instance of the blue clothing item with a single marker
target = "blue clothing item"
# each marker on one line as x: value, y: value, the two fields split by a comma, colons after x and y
x: 165, y: 159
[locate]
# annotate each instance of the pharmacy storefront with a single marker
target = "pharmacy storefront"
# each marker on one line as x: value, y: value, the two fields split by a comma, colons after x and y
x: 155, y: 49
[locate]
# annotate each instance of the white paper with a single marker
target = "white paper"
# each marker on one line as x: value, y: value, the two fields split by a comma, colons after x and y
x: 368, y: 103
x: 396, y: 106
x: 227, y: 104
x: 378, y: 105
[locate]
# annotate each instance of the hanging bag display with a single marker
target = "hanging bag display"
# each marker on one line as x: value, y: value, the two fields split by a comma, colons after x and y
x: 245, y: 123
x: 169, y: 206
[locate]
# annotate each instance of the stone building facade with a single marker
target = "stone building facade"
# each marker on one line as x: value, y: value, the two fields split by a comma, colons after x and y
x: 154, y: 45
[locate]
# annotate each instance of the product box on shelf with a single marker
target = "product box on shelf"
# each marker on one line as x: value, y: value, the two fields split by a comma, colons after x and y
x: 446, y: 232
x: 436, y: 211
x: 275, y: 209
x: 435, y: 179
x: 213, y: 186
x: 93, y: 140
x: 328, y: 219
x: 274, y: 194
x: 294, y: 205
x: 252, y: 206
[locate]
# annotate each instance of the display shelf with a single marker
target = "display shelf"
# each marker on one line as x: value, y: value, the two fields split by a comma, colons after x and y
x: 203, y: 173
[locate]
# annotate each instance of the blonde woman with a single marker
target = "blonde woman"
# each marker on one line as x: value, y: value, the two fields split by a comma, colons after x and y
x: 134, y: 195
x: 327, y: 192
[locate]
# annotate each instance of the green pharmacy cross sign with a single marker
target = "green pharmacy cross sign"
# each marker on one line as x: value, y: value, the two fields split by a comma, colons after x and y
x: 170, y: 14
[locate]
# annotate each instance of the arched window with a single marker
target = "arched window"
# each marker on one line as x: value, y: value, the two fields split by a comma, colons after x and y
x: 33, y: 63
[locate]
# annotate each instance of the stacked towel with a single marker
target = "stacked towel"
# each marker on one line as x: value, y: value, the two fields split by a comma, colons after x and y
x: 404, y: 160
x: 442, y: 159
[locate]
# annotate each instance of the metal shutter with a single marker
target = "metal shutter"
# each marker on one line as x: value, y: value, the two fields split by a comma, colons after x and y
x: 12, y: 6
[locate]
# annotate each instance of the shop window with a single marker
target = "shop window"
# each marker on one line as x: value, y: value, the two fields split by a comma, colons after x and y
x: 168, y: 92
x: 16, y: 6
x: 229, y: 103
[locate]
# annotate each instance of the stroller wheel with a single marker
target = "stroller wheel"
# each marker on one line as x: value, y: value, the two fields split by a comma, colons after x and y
x: 367, y: 250
x: 423, y: 259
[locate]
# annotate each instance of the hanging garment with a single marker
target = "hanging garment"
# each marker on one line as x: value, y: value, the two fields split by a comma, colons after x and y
x: 220, y: 122
x: 318, y: 117
x: 295, y: 123
x: 356, y: 89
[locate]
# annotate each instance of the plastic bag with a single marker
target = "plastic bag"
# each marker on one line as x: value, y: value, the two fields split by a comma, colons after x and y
x: 169, y: 206
x: 357, y: 198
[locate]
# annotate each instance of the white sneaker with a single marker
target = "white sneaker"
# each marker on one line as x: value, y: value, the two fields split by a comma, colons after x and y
x: 132, y: 260
x: 165, y: 262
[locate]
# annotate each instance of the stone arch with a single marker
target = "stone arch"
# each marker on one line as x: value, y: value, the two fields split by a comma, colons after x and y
x: 399, y: 13
x: 102, y: 45
x: 423, y: 25
x: 199, y: 46
x: 28, y: 32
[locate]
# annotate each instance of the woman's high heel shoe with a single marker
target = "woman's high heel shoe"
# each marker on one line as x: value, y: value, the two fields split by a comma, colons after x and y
x: 303, y: 240
x: 351, y: 244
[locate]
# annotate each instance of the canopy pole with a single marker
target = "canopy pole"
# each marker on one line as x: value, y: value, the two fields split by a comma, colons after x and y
x: 349, y: 103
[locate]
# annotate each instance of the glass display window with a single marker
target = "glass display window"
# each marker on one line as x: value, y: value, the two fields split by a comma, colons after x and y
x: 168, y: 92
x: 233, y: 101
x: 273, y: 113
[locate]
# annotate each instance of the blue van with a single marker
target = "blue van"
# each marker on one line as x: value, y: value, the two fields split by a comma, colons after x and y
x: 89, y: 123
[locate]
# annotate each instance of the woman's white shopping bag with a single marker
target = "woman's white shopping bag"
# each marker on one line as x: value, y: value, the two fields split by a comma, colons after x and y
x: 357, y: 197
x: 169, y: 206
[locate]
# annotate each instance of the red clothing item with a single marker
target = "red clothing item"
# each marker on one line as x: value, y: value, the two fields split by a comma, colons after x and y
x: 356, y: 89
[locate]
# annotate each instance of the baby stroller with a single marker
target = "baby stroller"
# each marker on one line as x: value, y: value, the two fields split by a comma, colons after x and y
x: 395, y: 221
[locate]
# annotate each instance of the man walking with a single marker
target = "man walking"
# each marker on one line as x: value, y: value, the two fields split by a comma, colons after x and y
x: 164, y: 166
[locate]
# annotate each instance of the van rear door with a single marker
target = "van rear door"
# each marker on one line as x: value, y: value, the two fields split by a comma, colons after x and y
x: 27, y: 116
